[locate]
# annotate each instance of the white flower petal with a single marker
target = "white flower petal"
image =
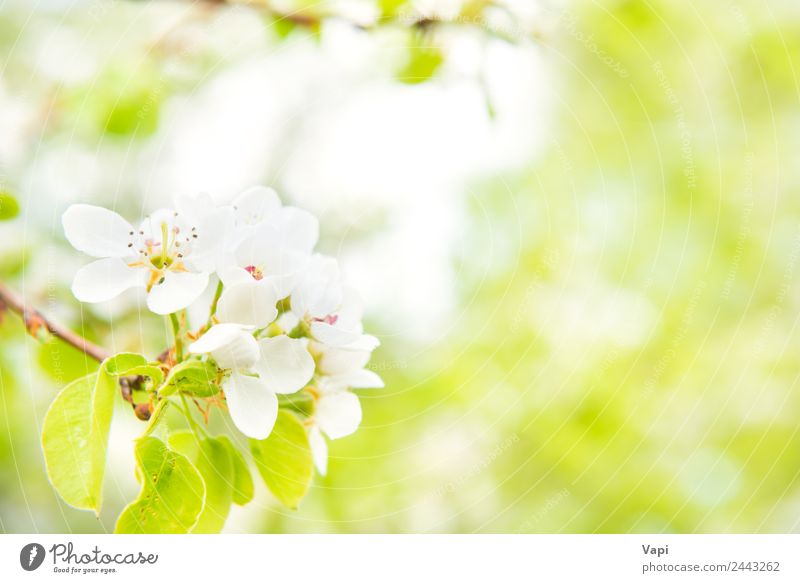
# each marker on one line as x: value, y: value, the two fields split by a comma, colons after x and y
x: 317, y: 302
x: 152, y: 224
x: 318, y: 292
x: 231, y: 345
x: 256, y: 204
x: 197, y: 312
x: 263, y: 251
x: 265, y: 248
x: 251, y: 303
x: 253, y: 407
x: 286, y: 366
x: 282, y: 284
x: 231, y: 274
x: 104, y: 279
x: 258, y: 247
x: 178, y: 290
x: 195, y: 207
x: 364, y: 343
x: 319, y: 449
x: 217, y: 337
x: 351, y: 309
x: 215, y: 232
x: 365, y: 379
x: 97, y: 231
x: 360, y: 379
x: 334, y: 361
x: 287, y: 321
x: 338, y: 414
x: 335, y: 335
x: 299, y: 229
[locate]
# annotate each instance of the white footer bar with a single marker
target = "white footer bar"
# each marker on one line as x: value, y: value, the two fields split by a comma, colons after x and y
x: 406, y: 558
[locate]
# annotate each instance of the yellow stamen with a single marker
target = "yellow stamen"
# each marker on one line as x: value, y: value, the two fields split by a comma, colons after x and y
x: 164, y: 242
x: 154, y: 277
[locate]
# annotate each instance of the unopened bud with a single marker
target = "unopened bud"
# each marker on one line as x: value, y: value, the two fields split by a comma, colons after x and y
x: 143, y: 411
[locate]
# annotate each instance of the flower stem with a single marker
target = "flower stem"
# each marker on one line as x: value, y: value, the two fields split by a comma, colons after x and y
x: 176, y: 332
x: 214, y: 302
x: 197, y: 429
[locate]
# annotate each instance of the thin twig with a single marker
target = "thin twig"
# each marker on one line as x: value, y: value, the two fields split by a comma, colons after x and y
x: 36, y: 321
x: 176, y: 332
x: 412, y: 20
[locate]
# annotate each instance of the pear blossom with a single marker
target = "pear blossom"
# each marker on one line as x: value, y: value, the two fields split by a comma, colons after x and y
x: 257, y: 371
x: 340, y: 369
x: 221, y: 220
x: 274, y: 246
x: 297, y: 228
x: 337, y: 411
x: 170, y: 254
x: 331, y: 310
x: 278, y: 318
x: 256, y: 205
x: 337, y: 414
x: 259, y: 271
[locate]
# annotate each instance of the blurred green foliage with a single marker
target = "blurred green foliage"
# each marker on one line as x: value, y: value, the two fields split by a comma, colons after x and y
x: 9, y: 207
x: 422, y: 62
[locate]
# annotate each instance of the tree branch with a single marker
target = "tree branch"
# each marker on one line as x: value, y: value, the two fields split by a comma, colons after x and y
x: 35, y: 321
x: 471, y: 17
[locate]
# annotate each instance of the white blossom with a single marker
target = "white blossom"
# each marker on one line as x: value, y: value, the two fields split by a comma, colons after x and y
x: 337, y: 411
x: 262, y: 253
x: 339, y: 369
x: 273, y: 248
x: 257, y: 371
x: 296, y: 228
x: 332, y: 311
x: 170, y: 254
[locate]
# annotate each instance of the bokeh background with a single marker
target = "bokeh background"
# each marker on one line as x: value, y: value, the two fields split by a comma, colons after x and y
x: 576, y: 226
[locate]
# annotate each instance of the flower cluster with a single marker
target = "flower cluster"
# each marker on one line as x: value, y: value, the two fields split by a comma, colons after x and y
x: 282, y: 320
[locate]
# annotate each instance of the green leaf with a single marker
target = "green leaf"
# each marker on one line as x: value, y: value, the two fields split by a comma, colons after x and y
x: 300, y: 402
x: 132, y: 107
x: 303, y: 18
x: 192, y: 376
x: 211, y: 458
x: 172, y: 495
x: 242, y: 479
x: 284, y: 459
x: 130, y: 364
x: 423, y: 62
x: 156, y: 417
x: 215, y: 465
x: 9, y: 207
x: 282, y: 26
x: 64, y: 363
x: 390, y: 8
x: 120, y: 363
x: 185, y: 443
x: 75, y: 436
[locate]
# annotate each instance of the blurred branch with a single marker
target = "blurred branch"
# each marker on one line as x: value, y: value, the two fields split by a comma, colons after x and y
x: 470, y: 17
x: 36, y: 323
x: 304, y: 19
